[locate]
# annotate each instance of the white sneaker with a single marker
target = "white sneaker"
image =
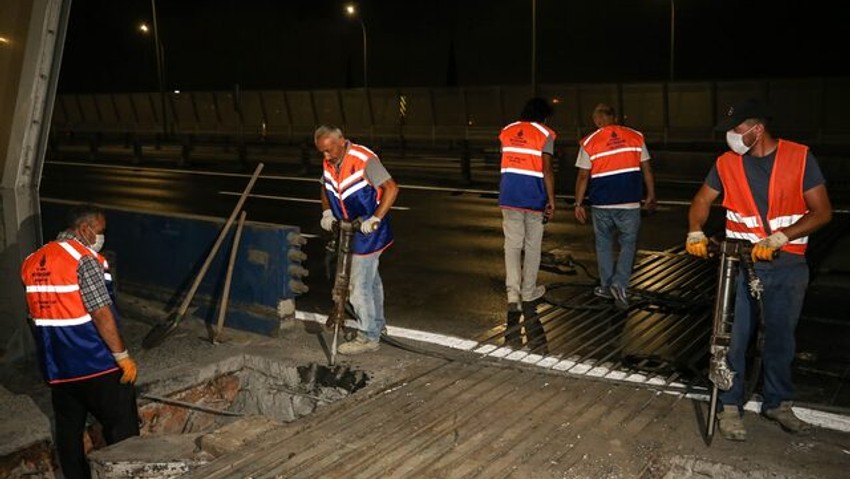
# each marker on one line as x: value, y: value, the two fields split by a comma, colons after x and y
x: 359, y: 345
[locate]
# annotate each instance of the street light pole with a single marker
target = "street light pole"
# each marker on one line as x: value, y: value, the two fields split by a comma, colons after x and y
x: 672, y: 36
x: 533, y: 47
x: 351, y: 11
x: 160, y: 69
x: 365, y: 53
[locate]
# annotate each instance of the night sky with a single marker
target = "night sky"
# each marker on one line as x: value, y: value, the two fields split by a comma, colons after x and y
x: 312, y: 44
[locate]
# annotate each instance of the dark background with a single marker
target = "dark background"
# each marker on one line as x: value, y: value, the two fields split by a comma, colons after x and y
x: 312, y: 44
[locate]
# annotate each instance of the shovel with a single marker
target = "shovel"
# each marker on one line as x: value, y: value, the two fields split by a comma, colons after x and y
x: 158, y: 333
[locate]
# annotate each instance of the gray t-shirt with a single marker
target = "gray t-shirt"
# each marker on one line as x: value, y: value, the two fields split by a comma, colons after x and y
x: 758, y: 171
x: 375, y: 172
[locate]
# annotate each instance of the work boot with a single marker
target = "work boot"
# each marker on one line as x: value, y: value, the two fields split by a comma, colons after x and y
x: 533, y: 328
x: 784, y: 415
x: 603, y: 292
x: 512, y: 336
x: 360, y: 344
x: 621, y: 297
x: 731, y: 425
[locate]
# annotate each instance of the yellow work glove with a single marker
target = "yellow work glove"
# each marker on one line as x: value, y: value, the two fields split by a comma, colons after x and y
x: 697, y: 244
x: 127, y: 365
x: 765, y: 250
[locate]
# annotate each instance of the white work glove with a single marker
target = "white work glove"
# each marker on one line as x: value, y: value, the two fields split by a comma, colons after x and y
x: 697, y: 244
x: 370, y: 225
x: 765, y: 249
x: 327, y: 222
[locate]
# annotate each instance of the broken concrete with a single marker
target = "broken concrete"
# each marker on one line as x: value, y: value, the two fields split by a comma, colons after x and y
x: 151, y: 457
x: 25, y: 439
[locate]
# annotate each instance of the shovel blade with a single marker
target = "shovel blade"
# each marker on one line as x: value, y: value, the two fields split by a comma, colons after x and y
x: 158, y: 333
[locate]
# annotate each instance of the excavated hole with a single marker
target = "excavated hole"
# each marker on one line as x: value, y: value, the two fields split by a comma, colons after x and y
x: 210, y: 411
x: 260, y: 387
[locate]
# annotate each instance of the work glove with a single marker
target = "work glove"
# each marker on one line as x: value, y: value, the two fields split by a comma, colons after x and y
x: 370, y: 225
x: 765, y: 250
x: 127, y: 365
x: 697, y: 244
x: 327, y: 222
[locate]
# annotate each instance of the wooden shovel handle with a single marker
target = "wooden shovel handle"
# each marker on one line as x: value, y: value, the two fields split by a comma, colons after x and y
x: 188, y: 299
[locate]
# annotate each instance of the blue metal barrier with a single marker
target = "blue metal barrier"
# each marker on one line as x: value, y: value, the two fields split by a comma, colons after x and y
x: 157, y: 256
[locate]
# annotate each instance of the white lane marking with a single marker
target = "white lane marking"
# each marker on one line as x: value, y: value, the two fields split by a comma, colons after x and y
x: 316, y: 180
x: 292, y: 198
x: 818, y: 418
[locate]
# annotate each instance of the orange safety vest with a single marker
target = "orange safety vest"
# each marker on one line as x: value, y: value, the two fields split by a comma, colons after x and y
x: 69, y: 344
x: 615, y: 156
x: 786, y: 204
x: 351, y: 196
x: 522, y: 185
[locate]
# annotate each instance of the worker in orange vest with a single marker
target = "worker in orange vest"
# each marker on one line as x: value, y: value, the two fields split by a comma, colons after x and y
x: 613, y: 167
x: 774, y: 195
x: 527, y: 201
x: 82, y: 355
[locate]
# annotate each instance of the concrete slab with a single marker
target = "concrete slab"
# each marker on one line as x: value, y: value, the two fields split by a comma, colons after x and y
x: 25, y: 439
x: 153, y: 457
x: 23, y: 423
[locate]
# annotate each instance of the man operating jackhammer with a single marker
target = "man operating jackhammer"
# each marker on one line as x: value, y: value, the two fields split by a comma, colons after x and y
x: 355, y: 185
x: 774, y: 195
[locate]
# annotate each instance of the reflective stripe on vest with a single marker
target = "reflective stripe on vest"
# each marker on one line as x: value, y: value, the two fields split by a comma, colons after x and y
x: 69, y: 345
x: 786, y: 204
x: 615, y: 157
x: 522, y: 185
x: 351, y: 196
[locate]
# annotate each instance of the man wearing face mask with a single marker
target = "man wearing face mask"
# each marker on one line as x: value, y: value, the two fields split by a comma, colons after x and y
x: 82, y: 355
x: 774, y: 195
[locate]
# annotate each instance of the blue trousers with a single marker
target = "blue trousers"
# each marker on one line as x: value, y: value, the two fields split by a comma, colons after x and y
x: 623, y: 225
x: 366, y: 294
x: 782, y: 299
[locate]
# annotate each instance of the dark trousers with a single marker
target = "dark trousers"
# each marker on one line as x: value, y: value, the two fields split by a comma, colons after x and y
x: 782, y: 299
x: 114, y: 406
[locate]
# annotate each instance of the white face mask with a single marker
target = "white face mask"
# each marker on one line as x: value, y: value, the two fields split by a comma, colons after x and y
x: 99, y: 240
x: 98, y: 243
x: 736, y: 141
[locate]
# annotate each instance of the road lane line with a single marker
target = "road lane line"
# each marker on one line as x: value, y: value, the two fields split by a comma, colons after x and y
x: 316, y: 180
x: 838, y: 422
x: 292, y: 198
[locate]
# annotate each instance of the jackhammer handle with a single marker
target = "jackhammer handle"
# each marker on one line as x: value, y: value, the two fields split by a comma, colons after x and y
x: 715, y: 247
x: 355, y: 224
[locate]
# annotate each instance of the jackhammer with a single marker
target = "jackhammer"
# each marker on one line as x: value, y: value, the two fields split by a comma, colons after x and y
x: 733, y: 254
x: 344, y: 233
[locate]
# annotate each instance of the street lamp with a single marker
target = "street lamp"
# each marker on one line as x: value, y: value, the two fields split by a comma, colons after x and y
x: 672, y: 35
x: 533, y: 47
x: 160, y: 65
x: 351, y: 11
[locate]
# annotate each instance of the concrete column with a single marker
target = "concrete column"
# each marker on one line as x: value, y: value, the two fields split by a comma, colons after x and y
x: 33, y: 34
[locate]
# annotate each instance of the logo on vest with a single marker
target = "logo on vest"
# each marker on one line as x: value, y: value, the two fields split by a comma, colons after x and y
x: 41, y: 272
x: 614, y: 141
x: 519, y: 138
